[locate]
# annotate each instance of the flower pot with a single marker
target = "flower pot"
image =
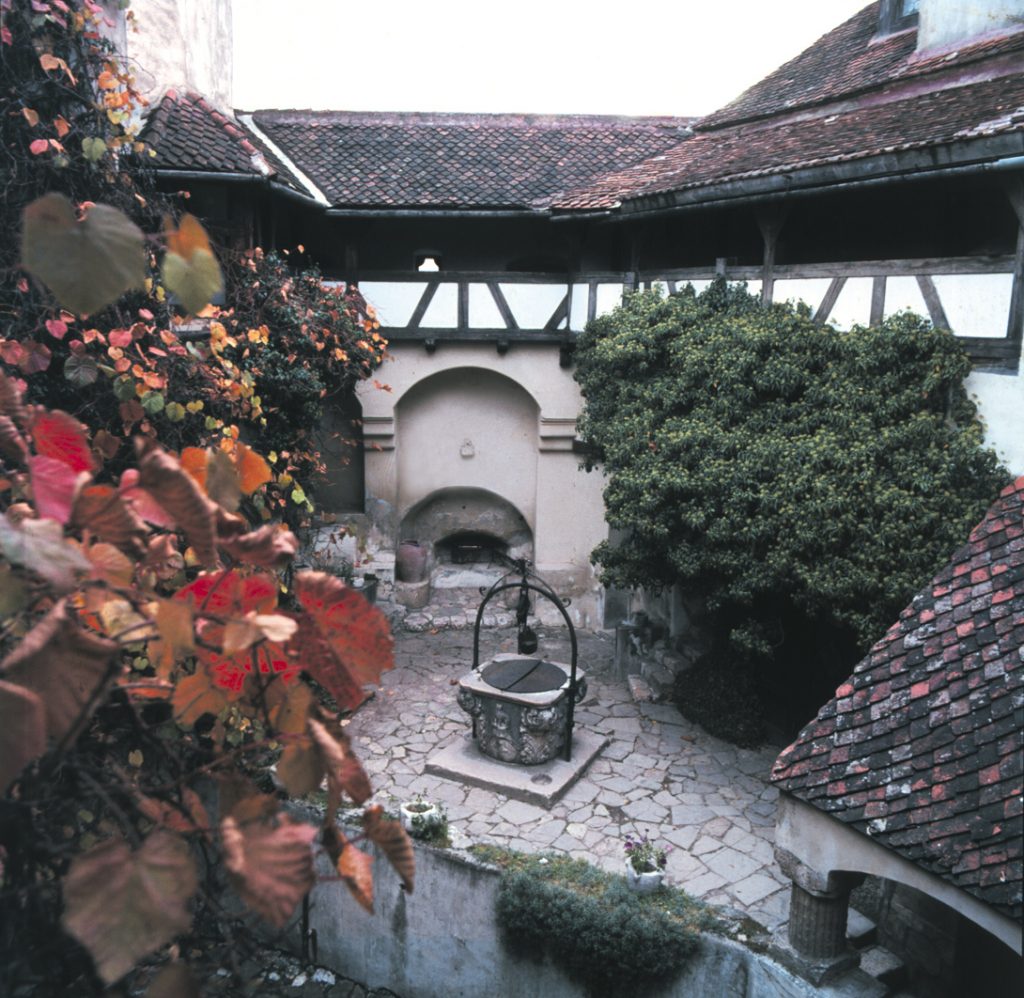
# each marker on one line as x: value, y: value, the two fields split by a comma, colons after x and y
x: 643, y: 883
x: 419, y: 817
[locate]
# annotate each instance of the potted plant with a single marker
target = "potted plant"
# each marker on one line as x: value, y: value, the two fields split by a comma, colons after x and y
x: 420, y: 817
x: 645, y: 864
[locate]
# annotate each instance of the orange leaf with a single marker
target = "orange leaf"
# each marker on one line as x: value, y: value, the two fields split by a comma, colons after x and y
x: 58, y: 435
x: 109, y: 565
x: 356, y: 869
x: 253, y: 471
x: 61, y: 126
x: 392, y: 839
x: 106, y: 80
x: 189, y: 237
x: 49, y: 62
x: 343, y: 640
x: 32, y: 117
x: 65, y: 666
x: 270, y: 865
x: 196, y: 695
x: 194, y: 461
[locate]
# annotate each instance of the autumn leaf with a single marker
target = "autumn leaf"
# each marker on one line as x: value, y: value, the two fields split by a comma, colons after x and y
x: 300, y: 768
x: 354, y: 866
x: 187, y: 817
x: 12, y: 443
x: 222, y: 481
x: 343, y: 641
x: 190, y: 270
x: 195, y: 696
x: 270, y: 864
x: 105, y: 512
x: 176, y: 491
x: 22, y: 731
x: 345, y: 773
x: 122, y: 905
x: 50, y: 62
x: 60, y: 436
x: 54, y: 485
x: 39, y: 546
x: 253, y: 470
x: 392, y: 839
x: 109, y: 565
x: 65, y: 666
x: 86, y: 264
x: 10, y: 401
x: 177, y: 640
x: 269, y: 546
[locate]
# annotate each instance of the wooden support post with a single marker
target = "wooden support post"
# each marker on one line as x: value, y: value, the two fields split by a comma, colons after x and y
x: 770, y: 221
x: 930, y: 293
x: 559, y: 314
x: 423, y: 304
x: 877, y: 301
x: 462, y: 320
x: 499, y: 299
x: 824, y: 310
x: 591, y: 301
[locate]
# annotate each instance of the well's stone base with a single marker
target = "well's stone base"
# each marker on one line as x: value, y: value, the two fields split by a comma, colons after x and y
x: 542, y: 785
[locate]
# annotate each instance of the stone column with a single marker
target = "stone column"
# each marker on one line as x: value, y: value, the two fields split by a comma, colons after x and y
x: 814, y: 946
x: 817, y: 923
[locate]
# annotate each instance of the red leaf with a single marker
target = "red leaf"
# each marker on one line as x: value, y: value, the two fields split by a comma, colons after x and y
x: 58, y: 435
x: 344, y: 641
x: 38, y: 147
x: 120, y: 338
x: 57, y: 328
x: 54, y: 484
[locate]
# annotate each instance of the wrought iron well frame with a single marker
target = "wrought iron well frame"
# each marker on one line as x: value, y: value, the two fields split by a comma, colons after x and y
x: 522, y: 567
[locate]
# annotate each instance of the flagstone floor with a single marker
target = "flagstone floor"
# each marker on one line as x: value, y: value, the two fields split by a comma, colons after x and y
x: 659, y: 774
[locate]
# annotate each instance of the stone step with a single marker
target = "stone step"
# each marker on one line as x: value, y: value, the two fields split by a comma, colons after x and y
x: 884, y: 966
x: 860, y: 930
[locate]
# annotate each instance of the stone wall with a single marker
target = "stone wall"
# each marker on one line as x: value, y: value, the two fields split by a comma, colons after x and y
x: 443, y: 941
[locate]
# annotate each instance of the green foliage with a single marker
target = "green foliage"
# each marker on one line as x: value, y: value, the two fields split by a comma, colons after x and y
x: 785, y: 471
x: 612, y: 940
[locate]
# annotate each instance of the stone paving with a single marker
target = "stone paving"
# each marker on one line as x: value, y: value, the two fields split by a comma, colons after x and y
x: 659, y: 774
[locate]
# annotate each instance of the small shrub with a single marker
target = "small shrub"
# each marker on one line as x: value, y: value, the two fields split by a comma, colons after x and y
x: 723, y: 699
x: 603, y: 935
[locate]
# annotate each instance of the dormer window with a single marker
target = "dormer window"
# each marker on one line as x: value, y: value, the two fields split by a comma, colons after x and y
x: 897, y: 15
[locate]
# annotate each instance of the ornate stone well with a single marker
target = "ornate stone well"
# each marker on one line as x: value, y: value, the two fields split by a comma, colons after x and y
x: 521, y: 704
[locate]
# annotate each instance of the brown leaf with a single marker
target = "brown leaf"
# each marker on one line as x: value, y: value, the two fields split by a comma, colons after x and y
x: 177, y: 640
x: 222, y: 484
x: 122, y: 905
x: 343, y: 640
x: 174, y: 981
x: 176, y: 491
x: 196, y: 695
x: 392, y: 839
x: 270, y: 865
x: 109, y: 565
x: 267, y: 547
x: 300, y: 769
x: 104, y: 511
x: 65, y: 666
x: 345, y: 774
x: 22, y: 731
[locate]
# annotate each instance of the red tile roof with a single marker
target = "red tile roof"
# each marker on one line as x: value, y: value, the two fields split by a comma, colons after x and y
x: 922, y: 748
x: 763, y: 148
x: 439, y: 161
x: 187, y: 133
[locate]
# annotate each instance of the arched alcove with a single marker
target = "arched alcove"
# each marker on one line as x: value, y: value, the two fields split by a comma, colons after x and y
x: 467, y: 429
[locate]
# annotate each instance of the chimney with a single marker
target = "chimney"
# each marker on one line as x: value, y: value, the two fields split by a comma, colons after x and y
x: 948, y: 23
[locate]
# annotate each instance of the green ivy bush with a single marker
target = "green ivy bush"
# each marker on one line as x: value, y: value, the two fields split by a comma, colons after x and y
x: 792, y: 474
x: 605, y: 936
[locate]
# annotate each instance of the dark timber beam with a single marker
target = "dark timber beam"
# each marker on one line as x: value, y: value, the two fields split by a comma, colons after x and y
x: 770, y: 221
x: 499, y: 300
x: 423, y: 304
x: 824, y: 310
x: 930, y: 293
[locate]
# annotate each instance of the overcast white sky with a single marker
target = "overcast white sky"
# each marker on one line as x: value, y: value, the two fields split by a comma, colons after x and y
x: 546, y: 56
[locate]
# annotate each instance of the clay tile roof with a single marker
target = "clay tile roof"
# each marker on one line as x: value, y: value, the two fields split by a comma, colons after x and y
x: 439, y: 161
x: 187, y: 133
x: 765, y: 148
x: 922, y: 747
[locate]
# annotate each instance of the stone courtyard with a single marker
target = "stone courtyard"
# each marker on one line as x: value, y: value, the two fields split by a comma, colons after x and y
x: 658, y: 775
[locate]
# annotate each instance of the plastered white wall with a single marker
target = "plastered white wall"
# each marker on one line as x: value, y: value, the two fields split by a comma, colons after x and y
x: 183, y: 44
